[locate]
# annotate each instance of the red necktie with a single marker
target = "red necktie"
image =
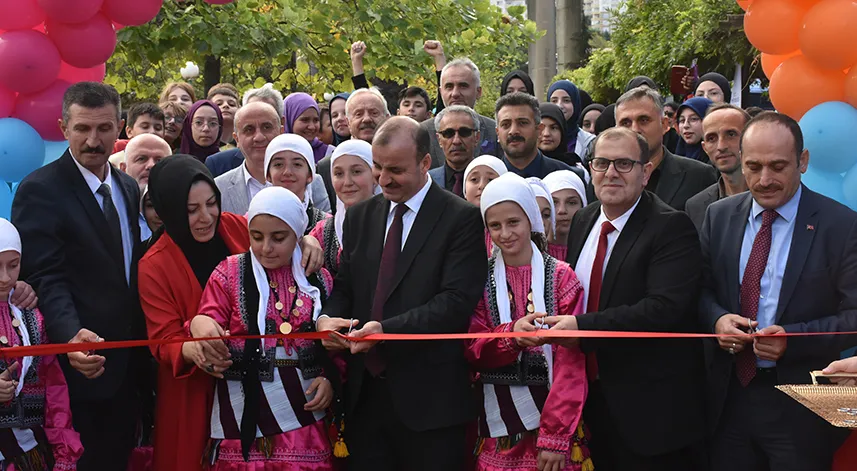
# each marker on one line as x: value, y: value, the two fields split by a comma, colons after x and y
x: 595, y: 279
x: 457, y: 187
x: 751, y: 290
x: 374, y: 361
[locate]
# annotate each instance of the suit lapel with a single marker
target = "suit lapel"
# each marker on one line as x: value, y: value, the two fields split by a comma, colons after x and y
x: 132, y: 208
x: 668, y: 187
x: 632, y: 230
x: 427, y: 217
x: 733, y: 240
x: 806, y: 224
x: 376, y: 220
x: 580, y: 229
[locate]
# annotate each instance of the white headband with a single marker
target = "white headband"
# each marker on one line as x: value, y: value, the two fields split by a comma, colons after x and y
x: 9, y: 237
x: 296, y: 144
x: 541, y: 190
x: 285, y: 206
x: 566, y: 180
x: 360, y: 149
x: 511, y: 187
x: 484, y: 160
x: 11, y: 240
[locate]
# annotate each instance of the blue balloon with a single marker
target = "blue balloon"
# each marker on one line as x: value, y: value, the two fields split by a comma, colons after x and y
x: 5, y: 201
x: 830, y: 135
x: 849, y: 188
x: 22, y: 150
x: 54, y: 150
x: 827, y: 183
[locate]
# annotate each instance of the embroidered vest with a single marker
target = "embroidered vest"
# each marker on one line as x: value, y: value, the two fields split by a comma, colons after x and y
x: 331, y: 247
x: 28, y: 408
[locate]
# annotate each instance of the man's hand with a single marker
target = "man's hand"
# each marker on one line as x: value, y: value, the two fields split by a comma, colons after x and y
x: 211, y: 356
x: 770, y: 346
x: 88, y: 364
x: 371, y: 327
x: 358, y: 50
x: 435, y: 49
x: 9, y: 383
x: 313, y: 256
x: 24, y: 296
x: 736, y: 327
x: 528, y: 324
x: 688, y: 82
x: 323, y: 394
x: 848, y: 365
x: 563, y: 323
x: 550, y: 461
x: 335, y: 340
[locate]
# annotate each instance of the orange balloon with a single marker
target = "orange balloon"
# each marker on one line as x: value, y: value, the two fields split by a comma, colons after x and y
x: 851, y: 87
x: 744, y: 4
x: 770, y: 62
x: 773, y: 25
x: 798, y: 85
x: 829, y: 34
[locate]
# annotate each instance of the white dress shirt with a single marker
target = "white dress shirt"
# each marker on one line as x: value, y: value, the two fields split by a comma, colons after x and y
x: 410, y: 216
x: 583, y: 269
x: 253, y: 185
x: 119, y: 202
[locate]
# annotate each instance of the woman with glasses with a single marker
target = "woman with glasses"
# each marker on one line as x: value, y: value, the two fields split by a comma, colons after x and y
x: 174, y: 115
x: 202, y: 129
x: 690, y: 115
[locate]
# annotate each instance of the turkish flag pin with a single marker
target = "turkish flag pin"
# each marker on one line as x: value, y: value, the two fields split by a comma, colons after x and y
x: 810, y: 227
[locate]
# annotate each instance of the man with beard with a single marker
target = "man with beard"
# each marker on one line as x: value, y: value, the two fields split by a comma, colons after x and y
x: 518, y: 127
x: 721, y: 138
x: 458, y: 134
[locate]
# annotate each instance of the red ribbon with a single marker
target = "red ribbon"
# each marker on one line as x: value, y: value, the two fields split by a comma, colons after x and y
x: 64, y: 348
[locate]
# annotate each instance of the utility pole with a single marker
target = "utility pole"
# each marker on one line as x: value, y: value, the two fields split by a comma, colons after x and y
x: 542, y: 53
x: 569, y: 34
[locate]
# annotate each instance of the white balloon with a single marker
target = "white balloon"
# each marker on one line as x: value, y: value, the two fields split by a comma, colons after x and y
x: 189, y: 71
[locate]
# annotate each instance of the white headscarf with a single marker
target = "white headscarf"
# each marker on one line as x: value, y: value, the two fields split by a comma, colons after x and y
x: 541, y: 190
x: 360, y: 149
x: 298, y: 145
x: 10, y: 240
x: 487, y: 160
x: 284, y: 205
x: 566, y: 180
x: 511, y: 187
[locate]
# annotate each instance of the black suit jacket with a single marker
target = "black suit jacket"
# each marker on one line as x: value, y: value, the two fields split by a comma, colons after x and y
x: 79, y: 283
x: 440, y: 276
x: 653, y: 387
x: 681, y: 178
x: 222, y: 162
x: 696, y: 205
x: 818, y: 294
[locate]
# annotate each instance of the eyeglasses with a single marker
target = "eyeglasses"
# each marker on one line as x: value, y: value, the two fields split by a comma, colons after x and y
x: 449, y: 133
x: 170, y: 119
x: 600, y: 164
x: 198, y: 124
x: 692, y: 119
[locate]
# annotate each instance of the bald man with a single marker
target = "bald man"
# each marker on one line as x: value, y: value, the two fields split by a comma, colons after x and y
x: 142, y: 153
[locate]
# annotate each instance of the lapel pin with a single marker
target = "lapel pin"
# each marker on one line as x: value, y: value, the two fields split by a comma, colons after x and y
x: 810, y: 227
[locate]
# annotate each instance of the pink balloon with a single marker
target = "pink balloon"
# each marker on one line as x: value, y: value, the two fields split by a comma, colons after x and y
x: 73, y: 74
x: 42, y: 110
x: 136, y: 13
x: 30, y: 61
x: 20, y: 14
x: 84, y: 45
x: 71, y: 11
x: 7, y: 102
x: 117, y: 26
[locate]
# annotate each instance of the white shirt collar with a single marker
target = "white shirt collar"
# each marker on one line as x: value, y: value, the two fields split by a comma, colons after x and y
x: 248, y: 177
x: 787, y: 211
x: 416, y: 201
x: 619, y: 222
x: 91, y: 180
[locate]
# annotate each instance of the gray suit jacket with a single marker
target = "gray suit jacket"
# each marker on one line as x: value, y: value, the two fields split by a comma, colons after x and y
x: 696, y: 206
x: 488, y: 143
x: 818, y: 294
x: 438, y: 176
x: 233, y: 192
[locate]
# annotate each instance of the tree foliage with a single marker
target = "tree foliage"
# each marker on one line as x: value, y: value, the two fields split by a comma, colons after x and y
x: 650, y: 36
x: 303, y: 44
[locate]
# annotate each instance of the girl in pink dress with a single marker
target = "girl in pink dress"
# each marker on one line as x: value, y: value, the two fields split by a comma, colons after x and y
x: 269, y: 405
x: 351, y: 174
x: 569, y: 195
x: 477, y: 175
x: 289, y: 163
x: 36, y: 431
x: 532, y: 392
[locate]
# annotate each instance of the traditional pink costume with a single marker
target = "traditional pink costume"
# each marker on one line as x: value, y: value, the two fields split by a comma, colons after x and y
x: 557, y: 181
x: 287, y: 437
x: 532, y: 398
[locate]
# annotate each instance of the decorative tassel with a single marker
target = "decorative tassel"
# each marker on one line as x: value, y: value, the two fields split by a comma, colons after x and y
x: 340, y: 450
x: 576, y: 454
x: 480, y: 444
x: 581, y: 434
x: 587, y: 465
x: 265, y: 446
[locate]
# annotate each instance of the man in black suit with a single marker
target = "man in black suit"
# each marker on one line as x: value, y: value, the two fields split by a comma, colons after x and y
x: 674, y: 179
x: 78, y: 222
x: 407, y: 402
x: 519, y: 123
x: 639, y: 263
x: 780, y: 258
x: 722, y: 129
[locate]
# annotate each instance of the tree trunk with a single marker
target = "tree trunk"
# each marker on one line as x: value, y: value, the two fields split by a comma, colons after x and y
x: 210, y: 74
x: 571, y: 39
x: 543, y: 52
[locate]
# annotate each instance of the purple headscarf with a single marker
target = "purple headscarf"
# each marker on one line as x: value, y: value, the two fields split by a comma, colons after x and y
x: 189, y: 146
x: 293, y: 106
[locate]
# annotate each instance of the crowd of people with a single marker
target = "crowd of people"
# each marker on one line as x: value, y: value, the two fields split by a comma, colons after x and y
x: 240, y: 215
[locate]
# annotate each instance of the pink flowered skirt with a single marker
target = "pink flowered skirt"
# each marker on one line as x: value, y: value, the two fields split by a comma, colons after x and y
x: 304, y: 449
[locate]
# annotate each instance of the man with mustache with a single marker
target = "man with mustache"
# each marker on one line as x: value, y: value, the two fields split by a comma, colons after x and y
x: 458, y: 135
x: 777, y: 259
x: 721, y: 138
x: 367, y: 110
x: 518, y: 127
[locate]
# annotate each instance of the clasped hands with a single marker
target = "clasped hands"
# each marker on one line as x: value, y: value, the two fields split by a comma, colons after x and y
x: 337, y: 341
x: 767, y: 344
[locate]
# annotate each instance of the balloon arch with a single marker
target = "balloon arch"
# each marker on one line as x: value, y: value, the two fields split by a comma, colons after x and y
x: 808, y: 50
